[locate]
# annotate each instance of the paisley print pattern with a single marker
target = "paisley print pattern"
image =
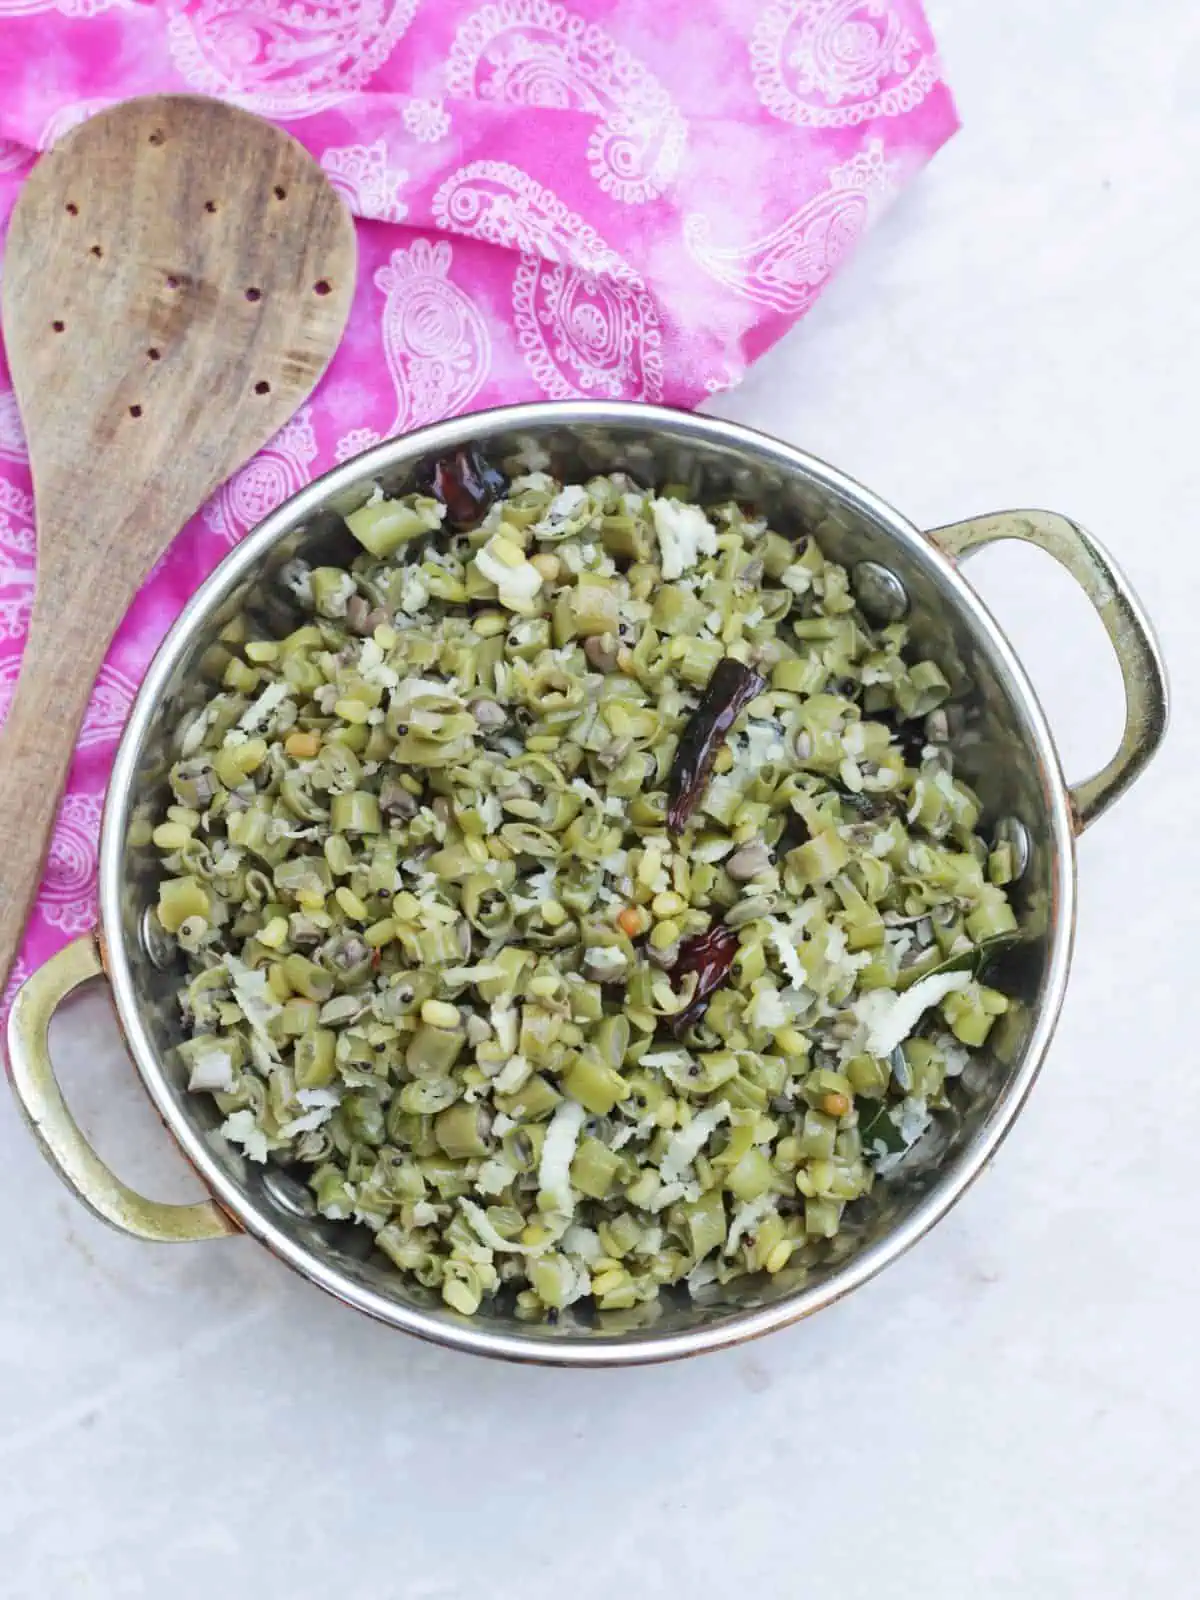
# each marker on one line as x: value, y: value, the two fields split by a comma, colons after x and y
x: 427, y: 120
x: 65, y: 8
x: 585, y: 321
x: 280, y: 468
x: 495, y: 201
x: 16, y: 605
x: 16, y: 583
x: 16, y: 978
x: 787, y: 268
x: 12, y: 435
x: 836, y: 63
x: 554, y: 198
x: 67, y: 898
x: 10, y: 671
x: 16, y: 562
x: 435, y: 338
x: 362, y: 176
x: 16, y: 522
x: 16, y: 597
x: 535, y: 53
x: 284, y: 59
x: 354, y: 443
x: 587, y: 335
x: 110, y: 705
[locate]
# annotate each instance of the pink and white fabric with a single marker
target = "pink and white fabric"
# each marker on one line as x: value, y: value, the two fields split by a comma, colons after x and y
x: 611, y: 198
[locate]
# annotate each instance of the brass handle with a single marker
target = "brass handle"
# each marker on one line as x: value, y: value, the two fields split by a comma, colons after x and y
x: 1142, y: 666
x: 57, y: 1132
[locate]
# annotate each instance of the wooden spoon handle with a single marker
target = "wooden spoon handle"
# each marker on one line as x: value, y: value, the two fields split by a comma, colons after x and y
x: 36, y: 746
x: 177, y: 275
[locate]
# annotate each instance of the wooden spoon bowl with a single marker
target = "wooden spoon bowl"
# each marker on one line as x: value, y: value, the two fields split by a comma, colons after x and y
x: 177, y: 276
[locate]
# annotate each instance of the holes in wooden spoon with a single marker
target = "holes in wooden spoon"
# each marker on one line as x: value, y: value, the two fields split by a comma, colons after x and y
x: 210, y: 206
x: 322, y: 286
x: 154, y: 354
x: 96, y: 251
x: 172, y: 281
x: 71, y: 208
x: 58, y: 325
x: 253, y: 293
x: 262, y: 387
x: 135, y: 411
x: 280, y: 192
x: 158, y: 136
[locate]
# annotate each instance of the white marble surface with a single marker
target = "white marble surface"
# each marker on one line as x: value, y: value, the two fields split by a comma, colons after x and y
x: 1011, y: 1410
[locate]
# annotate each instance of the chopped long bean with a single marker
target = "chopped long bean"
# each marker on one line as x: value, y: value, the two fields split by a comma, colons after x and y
x: 577, y: 891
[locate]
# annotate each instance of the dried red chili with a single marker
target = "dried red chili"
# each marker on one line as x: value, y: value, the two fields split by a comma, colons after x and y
x: 710, y: 956
x: 727, y: 693
x: 466, y: 485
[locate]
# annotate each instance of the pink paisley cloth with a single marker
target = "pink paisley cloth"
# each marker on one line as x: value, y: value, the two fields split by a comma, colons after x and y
x: 607, y: 198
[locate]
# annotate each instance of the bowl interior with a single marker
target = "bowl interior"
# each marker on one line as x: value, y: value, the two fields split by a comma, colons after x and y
x: 1003, y: 751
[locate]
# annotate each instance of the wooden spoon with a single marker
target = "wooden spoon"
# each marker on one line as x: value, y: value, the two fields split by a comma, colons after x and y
x: 177, y: 276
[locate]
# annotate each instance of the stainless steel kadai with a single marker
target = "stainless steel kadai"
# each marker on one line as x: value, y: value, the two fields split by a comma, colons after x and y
x: 1010, y: 760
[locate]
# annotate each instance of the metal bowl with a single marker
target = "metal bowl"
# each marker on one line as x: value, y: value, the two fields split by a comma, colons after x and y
x: 1004, y: 750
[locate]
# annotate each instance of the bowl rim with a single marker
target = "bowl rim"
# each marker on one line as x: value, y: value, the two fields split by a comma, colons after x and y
x: 586, y: 1349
